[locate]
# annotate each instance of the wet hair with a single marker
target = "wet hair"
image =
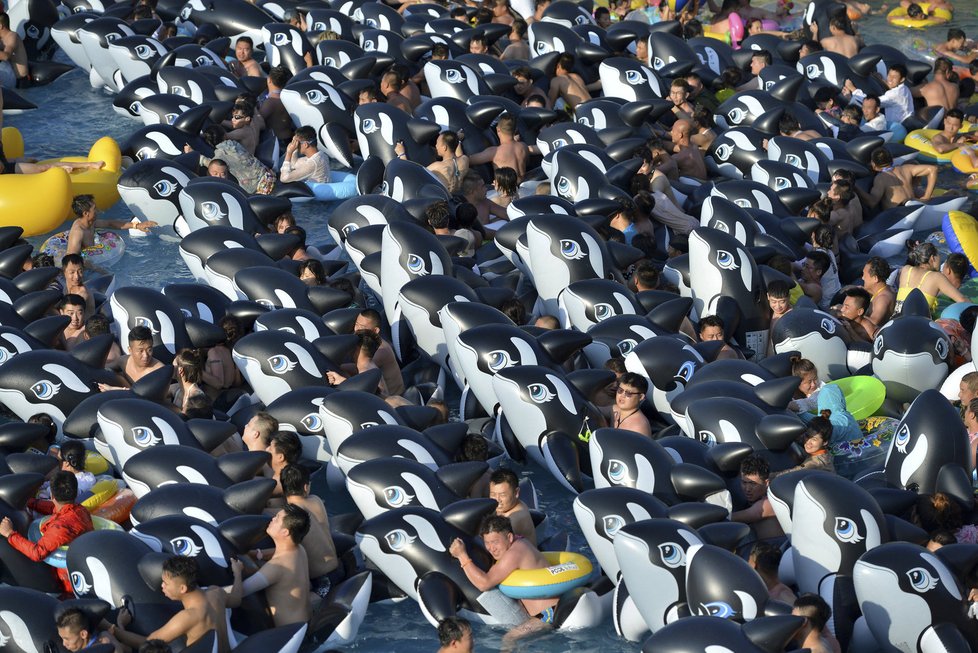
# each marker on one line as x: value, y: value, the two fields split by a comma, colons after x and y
x: 233, y: 330
x: 438, y: 215
x: 287, y: 443
x: 520, y: 27
x: 199, y: 406
x: 943, y: 537
x: 937, y: 512
x: 955, y: 33
x: 183, y: 568
x: 820, y: 426
x: 266, y: 425
x: 778, y: 289
x: 472, y: 181
x: 296, y: 522
x: 140, y: 334
x: 479, y: 38
x: 944, y: 67
x: 766, y: 557
x: 881, y: 157
x: 637, y: 381
x: 812, y: 45
x: 294, y: 479
x: 549, y: 322
x: 299, y: 233
x: 439, y: 51
x: 315, y: 267
x: 646, y: 274
x: 43, y: 260
x: 860, y: 294
x: 191, y: 363
x: 922, y: 253
x: 692, y: 29
x: 879, y: 267
x: 852, y: 113
x: 64, y: 487
x: 800, y: 366
x: 71, y: 299
x: 915, y: 11
x: 702, y: 116
x: 506, y: 181
x: 814, y: 608
x: 370, y: 314
x: 75, y: 620
x: 452, y: 629
x: 823, y: 96
x: 474, y: 448
x: 844, y: 190
x: 513, y: 309
x: 496, y: 524
x: 755, y: 465
x: 373, y: 94
x: 958, y: 264
x: 821, y: 261
x: 820, y: 209
x: 763, y: 54
x: 450, y: 139
x: 823, y: 236
x: 710, y: 321
x: 73, y: 453
x: 788, y: 124
x: 369, y: 342
x: 566, y: 61
x: 505, y: 476
x: 506, y: 124
x: 82, y: 203
x: 306, y: 134
x: 245, y: 39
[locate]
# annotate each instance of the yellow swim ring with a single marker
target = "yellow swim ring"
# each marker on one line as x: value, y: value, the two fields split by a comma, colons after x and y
x: 920, y: 140
x: 566, y: 571
x: 103, y: 183
x: 899, y: 17
x: 102, y: 491
x: 962, y: 162
x: 36, y: 203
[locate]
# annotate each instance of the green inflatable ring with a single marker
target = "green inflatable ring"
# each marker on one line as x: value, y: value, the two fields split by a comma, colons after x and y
x: 864, y: 395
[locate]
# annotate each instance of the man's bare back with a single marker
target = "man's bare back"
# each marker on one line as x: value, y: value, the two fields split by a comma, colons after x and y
x: 570, y: 88
x: 287, y: 588
x: 935, y: 95
x: 318, y: 543
x: 844, y: 44
x: 690, y: 162
x: 519, y: 515
x: 14, y: 47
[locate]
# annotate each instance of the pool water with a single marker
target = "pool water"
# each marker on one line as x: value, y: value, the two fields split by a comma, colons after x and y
x: 72, y: 116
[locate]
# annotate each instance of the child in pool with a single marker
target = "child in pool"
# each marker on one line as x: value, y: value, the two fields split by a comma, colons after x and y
x: 815, y: 441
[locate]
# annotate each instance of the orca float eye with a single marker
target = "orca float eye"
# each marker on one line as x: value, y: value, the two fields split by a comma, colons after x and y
x: 603, y: 311
x: 79, y: 584
x: 184, y: 546
x: 312, y: 422
x: 612, y: 524
x: 878, y: 345
x: 902, y: 439
x: 672, y: 555
x: 686, y: 370
x: 211, y: 211
x: 780, y: 183
x: 539, y: 393
x: 45, y: 389
x: 140, y: 321
x: 144, y: 436
x: 723, y: 151
x: 571, y: 250
x: 280, y: 364
x: 369, y: 126
x: 736, y: 115
x: 396, y: 497
x: 398, y: 540
x: 618, y: 472
x: 453, y: 76
x: 164, y: 188
x: 145, y: 152
x: 707, y: 437
x: 846, y: 531
x: 315, y: 96
x: 626, y: 346
x: 921, y: 580
x: 415, y: 264
x: 499, y: 359
x: 941, y: 348
x: 563, y: 186
x: 280, y: 38
x: 726, y: 260
x: 634, y: 77
x: 828, y: 325
x: 793, y: 160
x: 718, y: 609
x: 143, y: 51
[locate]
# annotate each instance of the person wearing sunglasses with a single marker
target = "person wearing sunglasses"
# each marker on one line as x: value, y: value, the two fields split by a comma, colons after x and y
x: 627, y: 413
x: 312, y: 165
x: 242, y: 127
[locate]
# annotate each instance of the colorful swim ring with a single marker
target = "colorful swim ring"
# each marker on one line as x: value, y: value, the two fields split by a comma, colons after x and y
x: 566, y: 571
x: 864, y: 395
x: 117, y: 508
x: 961, y: 233
x: 95, y: 462
x: 920, y: 140
x: 103, y: 183
x: 961, y: 162
x: 342, y: 186
x: 59, y: 558
x: 899, y: 17
x: 103, y: 490
x: 108, y: 248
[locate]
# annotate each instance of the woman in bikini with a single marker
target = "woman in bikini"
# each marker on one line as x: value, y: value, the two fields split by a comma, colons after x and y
x: 923, y: 272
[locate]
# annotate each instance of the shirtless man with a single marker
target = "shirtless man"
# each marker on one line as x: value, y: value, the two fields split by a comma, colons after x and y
x: 244, y: 64
x: 567, y: 85
x: 13, y: 56
x: 949, y: 139
x: 73, y: 307
x: 882, y: 298
x: 203, y: 610
x: 789, y: 126
x: 390, y: 85
x: 816, y: 613
x: 679, y: 94
x: 72, y: 280
x: 853, y: 309
x: 474, y: 191
x: 956, y: 40
x: 518, y: 48
x: 504, y: 487
x: 779, y: 302
x: 257, y: 433
x: 687, y: 156
x: 510, y: 554
x: 627, y: 413
x: 839, y: 41
x: 525, y: 88
x: 847, y: 212
x: 369, y: 320
x: 82, y: 232
x: 452, y: 164
x: 939, y: 92
x: 765, y: 559
x: 510, y: 153
x: 754, y: 477
x: 285, y: 449
x: 893, y: 185
x: 285, y: 575
x: 324, y: 568
x: 138, y: 362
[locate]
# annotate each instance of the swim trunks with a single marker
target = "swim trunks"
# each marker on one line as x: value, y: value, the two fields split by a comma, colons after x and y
x: 547, y: 616
x: 322, y: 585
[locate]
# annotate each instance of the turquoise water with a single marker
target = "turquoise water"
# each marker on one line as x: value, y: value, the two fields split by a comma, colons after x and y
x: 73, y: 115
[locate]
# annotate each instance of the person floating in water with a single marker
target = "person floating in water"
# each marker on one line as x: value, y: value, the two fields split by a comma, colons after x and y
x: 82, y: 232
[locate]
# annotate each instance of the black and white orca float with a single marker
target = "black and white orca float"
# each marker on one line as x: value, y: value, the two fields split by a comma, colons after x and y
x: 136, y: 306
x: 151, y: 187
x: 275, y: 362
x: 132, y: 425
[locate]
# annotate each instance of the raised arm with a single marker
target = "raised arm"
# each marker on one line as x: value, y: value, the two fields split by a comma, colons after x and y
x: 483, y: 581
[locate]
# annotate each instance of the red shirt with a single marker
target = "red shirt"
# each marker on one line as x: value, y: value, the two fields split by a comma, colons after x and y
x: 63, y: 527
